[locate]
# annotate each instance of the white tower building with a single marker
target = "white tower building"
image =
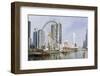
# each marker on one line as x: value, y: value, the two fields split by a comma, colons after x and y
x: 74, y: 37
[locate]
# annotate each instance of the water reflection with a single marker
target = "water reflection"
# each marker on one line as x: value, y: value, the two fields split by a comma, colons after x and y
x: 76, y: 54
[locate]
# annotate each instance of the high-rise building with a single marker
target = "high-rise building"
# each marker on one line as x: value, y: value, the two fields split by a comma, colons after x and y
x: 60, y: 33
x: 56, y: 35
x: 29, y: 32
x: 41, y: 38
x: 74, y: 39
x: 52, y: 32
x: 85, y: 42
x: 35, y: 38
x: 38, y: 38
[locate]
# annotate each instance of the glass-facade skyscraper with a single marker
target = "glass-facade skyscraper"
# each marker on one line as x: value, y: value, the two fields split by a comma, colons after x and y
x: 35, y: 38
x: 41, y: 38
x: 38, y: 38
x: 85, y: 45
x: 56, y: 35
x: 29, y: 32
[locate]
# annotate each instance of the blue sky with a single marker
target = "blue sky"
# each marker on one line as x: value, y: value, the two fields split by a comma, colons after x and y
x: 70, y: 24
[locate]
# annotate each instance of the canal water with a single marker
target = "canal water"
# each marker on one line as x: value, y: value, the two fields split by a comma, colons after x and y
x: 79, y: 54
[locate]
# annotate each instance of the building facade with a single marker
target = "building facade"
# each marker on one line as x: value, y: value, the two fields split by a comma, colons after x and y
x: 38, y: 38
x: 85, y: 41
x: 41, y: 38
x: 29, y: 32
x: 35, y: 38
x: 56, y: 36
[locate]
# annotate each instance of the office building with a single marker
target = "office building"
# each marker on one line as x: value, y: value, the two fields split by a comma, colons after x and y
x: 85, y: 42
x: 56, y: 35
x: 35, y: 38
x: 60, y: 33
x: 41, y: 38
x: 29, y: 32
